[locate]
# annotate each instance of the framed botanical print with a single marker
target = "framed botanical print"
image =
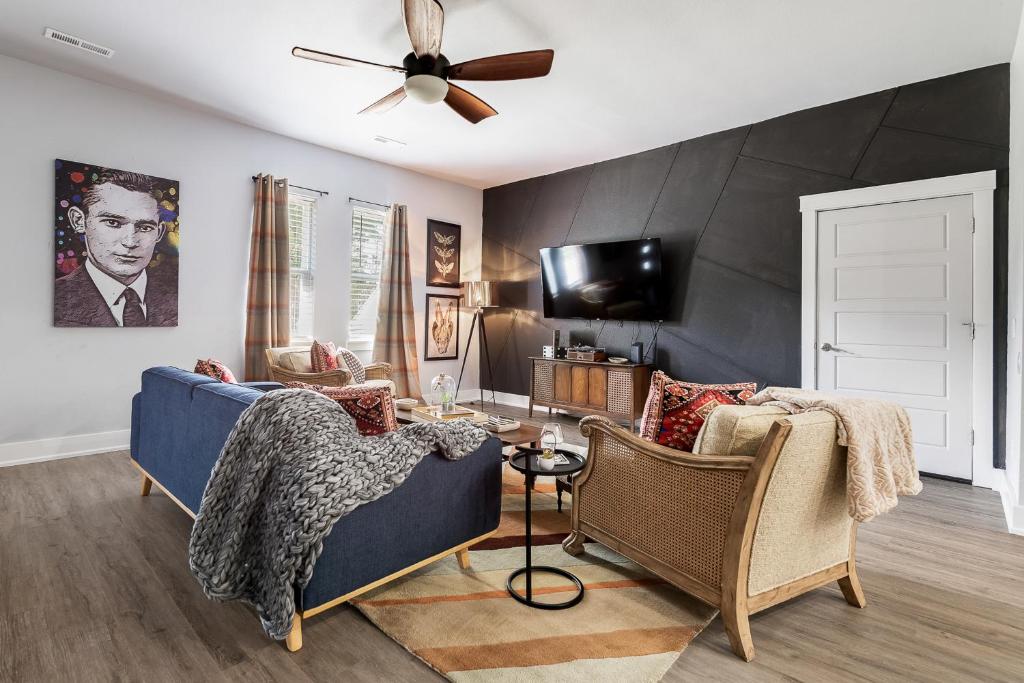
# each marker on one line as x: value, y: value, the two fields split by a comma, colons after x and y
x: 444, y: 246
x: 442, y: 327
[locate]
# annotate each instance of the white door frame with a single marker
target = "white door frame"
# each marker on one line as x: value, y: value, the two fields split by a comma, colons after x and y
x: 981, y: 186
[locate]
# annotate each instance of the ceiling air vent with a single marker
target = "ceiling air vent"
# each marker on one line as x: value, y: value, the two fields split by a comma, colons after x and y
x: 68, y: 39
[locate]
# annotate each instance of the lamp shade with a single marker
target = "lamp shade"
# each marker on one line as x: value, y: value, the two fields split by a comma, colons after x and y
x: 481, y: 294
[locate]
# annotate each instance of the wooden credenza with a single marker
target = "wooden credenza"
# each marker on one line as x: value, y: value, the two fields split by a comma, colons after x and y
x: 580, y: 386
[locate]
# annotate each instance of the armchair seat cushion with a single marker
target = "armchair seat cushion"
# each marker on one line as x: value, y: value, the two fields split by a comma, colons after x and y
x: 736, y: 430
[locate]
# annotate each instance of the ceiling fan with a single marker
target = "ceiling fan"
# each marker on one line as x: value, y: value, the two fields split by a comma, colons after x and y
x: 427, y: 71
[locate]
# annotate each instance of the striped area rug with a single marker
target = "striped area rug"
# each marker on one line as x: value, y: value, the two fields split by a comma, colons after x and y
x: 630, y: 626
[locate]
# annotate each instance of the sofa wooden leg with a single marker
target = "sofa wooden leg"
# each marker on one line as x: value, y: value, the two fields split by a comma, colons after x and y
x: 852, y: 591
x: 147, y: 485
x: 294, y: 640
x: 737, y: 627
x: 463, y: 557
x: 573, y: 544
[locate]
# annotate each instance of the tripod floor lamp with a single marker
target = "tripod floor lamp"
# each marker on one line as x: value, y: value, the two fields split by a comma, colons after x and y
x: 479, y: 294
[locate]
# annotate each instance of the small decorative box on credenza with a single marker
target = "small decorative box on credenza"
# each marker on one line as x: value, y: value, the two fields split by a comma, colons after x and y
x: 590, y: 387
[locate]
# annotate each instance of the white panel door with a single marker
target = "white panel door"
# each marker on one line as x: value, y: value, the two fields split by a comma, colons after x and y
x: 894, y: 317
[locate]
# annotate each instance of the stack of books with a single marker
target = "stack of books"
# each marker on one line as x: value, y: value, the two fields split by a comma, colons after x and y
x: 500, y: 423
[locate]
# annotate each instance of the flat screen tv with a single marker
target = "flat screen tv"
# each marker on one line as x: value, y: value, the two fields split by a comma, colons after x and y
x: 604, y: 281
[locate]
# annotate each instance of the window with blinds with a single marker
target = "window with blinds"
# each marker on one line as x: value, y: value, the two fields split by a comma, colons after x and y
x: 301, y: 250
x: 367, y: 257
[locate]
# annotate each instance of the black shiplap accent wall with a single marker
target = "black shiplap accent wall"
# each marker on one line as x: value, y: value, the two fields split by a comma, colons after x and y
x: 726, y: 207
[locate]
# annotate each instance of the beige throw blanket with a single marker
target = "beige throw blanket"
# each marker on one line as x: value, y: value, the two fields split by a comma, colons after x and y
x: 880, y: 462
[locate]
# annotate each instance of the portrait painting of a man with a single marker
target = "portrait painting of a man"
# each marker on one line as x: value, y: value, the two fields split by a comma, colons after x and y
x: 116, y: 246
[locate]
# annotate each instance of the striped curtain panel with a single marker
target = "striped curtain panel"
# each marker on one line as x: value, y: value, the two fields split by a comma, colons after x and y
x: 395, y: 340
x: 267, y: 309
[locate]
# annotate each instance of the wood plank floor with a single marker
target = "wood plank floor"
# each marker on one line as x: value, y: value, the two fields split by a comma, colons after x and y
x: 94, y: 586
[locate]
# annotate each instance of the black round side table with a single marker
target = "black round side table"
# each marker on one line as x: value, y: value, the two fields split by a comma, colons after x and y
x: 525, y: 461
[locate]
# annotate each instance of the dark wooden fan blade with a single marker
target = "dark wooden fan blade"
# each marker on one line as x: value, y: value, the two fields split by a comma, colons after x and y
x: 328, y: 58
x: 510, y: 67
x: 386, y: 103
x: 468, y: 105
x: 424, y: 20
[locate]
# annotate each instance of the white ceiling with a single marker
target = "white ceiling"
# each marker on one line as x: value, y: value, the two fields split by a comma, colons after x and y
x: 627, y: 76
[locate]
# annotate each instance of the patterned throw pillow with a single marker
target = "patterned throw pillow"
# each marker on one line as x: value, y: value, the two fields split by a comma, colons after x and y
x: 354, y: 365
x: 211, y: 367
x: 675, y: 411
x: 371, y: 407
x: 321, y: 357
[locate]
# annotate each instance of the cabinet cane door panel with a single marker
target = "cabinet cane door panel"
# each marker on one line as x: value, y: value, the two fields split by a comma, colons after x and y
x: 563, y: 382
x: 579, y: 385
x: 598, y: 388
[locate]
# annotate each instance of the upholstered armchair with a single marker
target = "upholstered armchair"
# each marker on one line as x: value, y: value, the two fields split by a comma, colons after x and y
x: 292, y: 364
x: 756, y: 517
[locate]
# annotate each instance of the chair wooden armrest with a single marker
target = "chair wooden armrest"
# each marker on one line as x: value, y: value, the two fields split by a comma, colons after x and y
x: 378, y: 371
x: 598, y: 423
x: 331, y: 378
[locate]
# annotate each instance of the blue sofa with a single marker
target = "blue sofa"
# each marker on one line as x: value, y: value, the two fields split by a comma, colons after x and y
x: 180, y: 421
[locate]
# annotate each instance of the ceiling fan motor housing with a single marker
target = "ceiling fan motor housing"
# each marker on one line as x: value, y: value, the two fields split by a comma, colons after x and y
x: 426, y: 65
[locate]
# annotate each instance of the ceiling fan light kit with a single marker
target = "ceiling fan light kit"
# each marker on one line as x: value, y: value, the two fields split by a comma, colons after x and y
x: 426, y: 88
x: 427, y: 71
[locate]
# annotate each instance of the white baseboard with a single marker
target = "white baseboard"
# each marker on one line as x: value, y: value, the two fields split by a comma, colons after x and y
x: 1013, y: 507
x: 24, y: 452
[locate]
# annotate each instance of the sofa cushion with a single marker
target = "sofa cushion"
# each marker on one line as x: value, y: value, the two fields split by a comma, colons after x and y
x: 675, y: 410
x: 321, y: 357
x: 211, y: 367
x: 736, y: 430
x: 372, y: 408
x: 347, y: 359
x: 296, y: 361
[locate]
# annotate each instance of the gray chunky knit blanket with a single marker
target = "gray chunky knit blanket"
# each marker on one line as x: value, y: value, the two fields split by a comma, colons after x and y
x: 293, y: 465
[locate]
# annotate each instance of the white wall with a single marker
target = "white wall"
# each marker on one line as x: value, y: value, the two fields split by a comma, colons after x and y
x: 69, y: 390
x: 1013, y: 499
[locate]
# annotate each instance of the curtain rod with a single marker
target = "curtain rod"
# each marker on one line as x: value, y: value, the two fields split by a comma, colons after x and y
x: 308, y: 189
x: 363, y: 201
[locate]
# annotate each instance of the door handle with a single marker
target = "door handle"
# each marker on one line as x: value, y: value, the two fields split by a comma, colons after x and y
x: 828, y: 347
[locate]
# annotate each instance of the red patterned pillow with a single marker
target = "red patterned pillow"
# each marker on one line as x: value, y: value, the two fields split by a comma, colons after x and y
x: 211, y: 367
x: 321, y: 357
x: 372, y: 408
x: 675, y: 411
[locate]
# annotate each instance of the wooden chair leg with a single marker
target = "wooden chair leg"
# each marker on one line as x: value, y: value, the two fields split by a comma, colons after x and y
x: 573, y: 544
x: 852, y: 591
x: 147, y: 485
x: 463, y: 557
x: 737, y: 627
x: 850, y: 584
x: 294, y: 640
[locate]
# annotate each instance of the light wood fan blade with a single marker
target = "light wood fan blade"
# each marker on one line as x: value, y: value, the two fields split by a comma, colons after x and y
x: 386, y: 103
x: 424, y: 20
x: 468, y: 105
x: 510, y: 67
x: 328, y: 58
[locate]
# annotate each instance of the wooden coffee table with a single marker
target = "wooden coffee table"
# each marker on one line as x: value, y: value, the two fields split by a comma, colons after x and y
x: 526, y: 435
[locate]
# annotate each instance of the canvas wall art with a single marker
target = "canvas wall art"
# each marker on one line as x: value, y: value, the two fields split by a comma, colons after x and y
x: 444, y: 246
x: 116, y: 237
x: 442, y: 327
